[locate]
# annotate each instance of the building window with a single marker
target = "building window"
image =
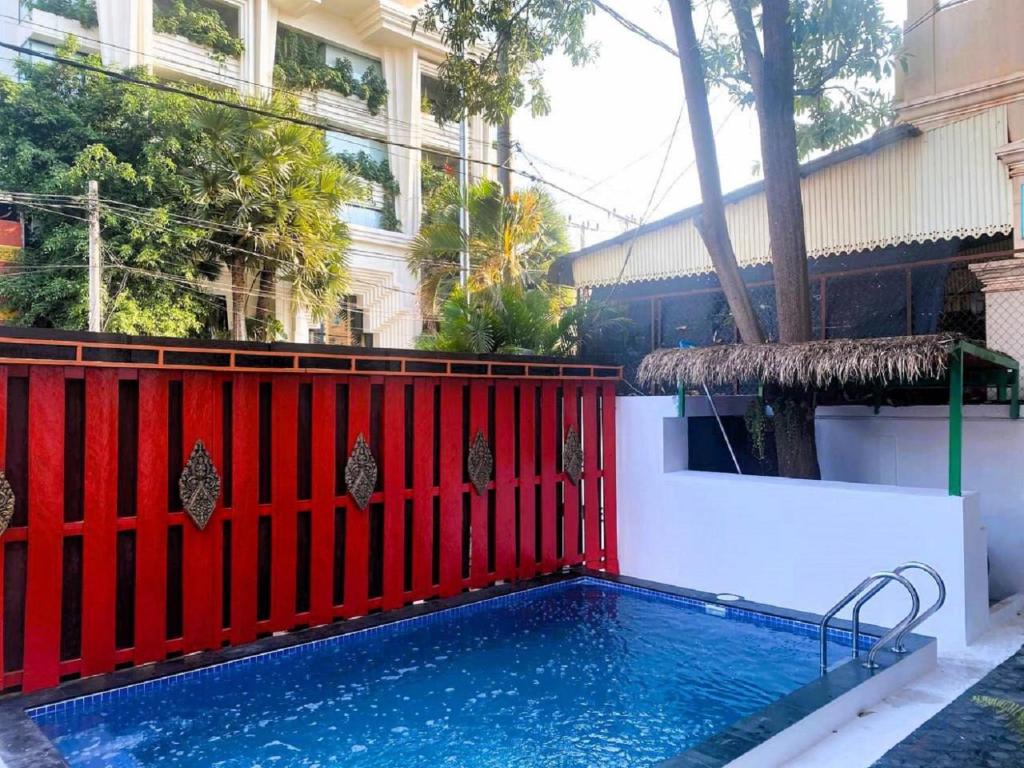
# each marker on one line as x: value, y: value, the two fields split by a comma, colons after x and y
x: 346, y: 326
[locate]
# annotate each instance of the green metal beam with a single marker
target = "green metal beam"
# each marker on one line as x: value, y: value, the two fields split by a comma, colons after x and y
x: 956, y: 420
x: 681, y: 400
x: 1009, y: 366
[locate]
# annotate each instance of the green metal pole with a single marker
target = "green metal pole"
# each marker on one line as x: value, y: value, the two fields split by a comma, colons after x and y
x: 956, y: 420
x: 1015, y: 393
x: 681, y: 404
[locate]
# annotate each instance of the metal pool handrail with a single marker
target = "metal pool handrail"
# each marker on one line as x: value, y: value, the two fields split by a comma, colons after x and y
x: 884, y: 577
x: 923, y: 616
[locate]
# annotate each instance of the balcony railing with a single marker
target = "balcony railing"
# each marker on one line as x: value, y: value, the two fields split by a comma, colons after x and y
x: 436, y: 136
x: 343, y: 111
x: 182, y: 57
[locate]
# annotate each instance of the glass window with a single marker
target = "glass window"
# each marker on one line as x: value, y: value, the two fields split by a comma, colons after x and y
x: 360, y: 63
x: 360, y: 216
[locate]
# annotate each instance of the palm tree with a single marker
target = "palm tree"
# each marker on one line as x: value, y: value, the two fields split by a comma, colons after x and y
x: 272, y: 191
x: 511, y: 241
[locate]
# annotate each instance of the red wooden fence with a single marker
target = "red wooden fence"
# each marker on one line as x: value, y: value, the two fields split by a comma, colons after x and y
x: 101, y: 568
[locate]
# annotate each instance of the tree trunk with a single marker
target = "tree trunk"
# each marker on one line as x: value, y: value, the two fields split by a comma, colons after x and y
x: 773, y: 82
x: 711, y: 224
x: 266, y: 303
x: 238, y: 296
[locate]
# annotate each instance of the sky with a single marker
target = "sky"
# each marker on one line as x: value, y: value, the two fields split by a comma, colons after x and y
x: 609, y: 132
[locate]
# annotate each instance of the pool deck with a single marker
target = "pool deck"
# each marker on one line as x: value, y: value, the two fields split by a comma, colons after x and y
x: 933, y: 723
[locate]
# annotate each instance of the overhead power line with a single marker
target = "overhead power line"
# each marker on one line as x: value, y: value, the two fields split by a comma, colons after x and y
x: 635, y: 28
x: 295, y: 119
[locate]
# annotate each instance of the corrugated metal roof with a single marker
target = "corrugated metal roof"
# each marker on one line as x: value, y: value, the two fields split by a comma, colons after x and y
x: 901, y: 186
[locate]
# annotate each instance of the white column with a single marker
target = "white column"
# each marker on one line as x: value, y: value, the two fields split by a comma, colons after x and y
x: 1003, y: 284
x: 260, y: 37
x: 125, y: 32
x: 402, y: 72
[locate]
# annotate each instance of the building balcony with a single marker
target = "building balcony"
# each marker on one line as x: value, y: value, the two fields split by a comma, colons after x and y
x: 51, y: 29
x: 177, y: 56
x: 343, y: 111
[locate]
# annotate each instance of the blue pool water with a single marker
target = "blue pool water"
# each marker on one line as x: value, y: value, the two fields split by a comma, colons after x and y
x: 581, y: 674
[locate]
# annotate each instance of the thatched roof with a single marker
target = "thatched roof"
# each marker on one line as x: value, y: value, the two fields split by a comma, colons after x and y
x: 898, y: 359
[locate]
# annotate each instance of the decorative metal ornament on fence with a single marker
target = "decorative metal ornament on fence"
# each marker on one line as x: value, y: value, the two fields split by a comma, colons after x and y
x: 481, y: 462
x: 199, y: 486
x: 361, y: 473
x: 572, y: 456
x: 6, y: 503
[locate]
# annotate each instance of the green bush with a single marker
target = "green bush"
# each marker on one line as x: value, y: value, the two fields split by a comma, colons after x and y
x: 299, y: 64
x: 82, y: 11
x: 198, y: 23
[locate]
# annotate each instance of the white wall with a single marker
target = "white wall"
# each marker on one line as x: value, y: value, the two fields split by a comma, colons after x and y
x: 796, y: 544
x: 909, y: 447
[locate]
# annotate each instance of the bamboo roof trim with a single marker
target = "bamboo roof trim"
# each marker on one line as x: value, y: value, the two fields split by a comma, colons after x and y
x: 892, y: 360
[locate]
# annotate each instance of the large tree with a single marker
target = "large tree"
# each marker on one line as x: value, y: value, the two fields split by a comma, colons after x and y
x: 816, y: 81
x: 273, y: 192
x: 59, y: 128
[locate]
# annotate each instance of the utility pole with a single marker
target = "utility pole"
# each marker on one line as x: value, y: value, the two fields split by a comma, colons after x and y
x: 464, y: 196
x: 95, y: 260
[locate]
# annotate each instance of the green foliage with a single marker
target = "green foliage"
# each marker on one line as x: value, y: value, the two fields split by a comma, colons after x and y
x: 497, y: 49
x: 82, y: 11
x: 60, y: 127
x: 275, y: 189
x: 299, y: 63
x: 509, y: 307
x: 511, y: 241
x: 1011, y: 710
x: 531, y: 321
x: 758, y: 426
x: 200, y: 24
x: 377, y: 171
x: 844, y: 50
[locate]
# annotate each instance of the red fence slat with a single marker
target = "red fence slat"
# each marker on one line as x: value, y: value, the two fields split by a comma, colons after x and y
x: 422, y: 445
x: 452, y: 462
x: 591, y: 468
x: 611, y: 539
x: 151, y: 520
x: 527, y: 483
x: 201, y: 548
x: 570, y: 490
x: 357, y: 526
x: 504, y: 440
x: 45, y: 522
x: 322, y: 546
x: 284, y: 442
x: 245, y: 511
x: 478, y: 389
x: 99, y: 539
x: 548, y: 474
x: 394, y: 501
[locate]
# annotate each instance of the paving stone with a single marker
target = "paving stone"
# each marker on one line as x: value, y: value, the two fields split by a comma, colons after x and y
x: 966, y: 734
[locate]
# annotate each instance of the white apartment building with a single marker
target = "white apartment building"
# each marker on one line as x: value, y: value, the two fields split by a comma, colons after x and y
x: 372, y: 35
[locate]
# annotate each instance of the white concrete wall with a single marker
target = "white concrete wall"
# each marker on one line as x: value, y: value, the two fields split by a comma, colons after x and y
x: 797, y: 544
x: 908, y: 447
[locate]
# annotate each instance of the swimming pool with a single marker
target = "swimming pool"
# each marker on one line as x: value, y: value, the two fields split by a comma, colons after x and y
x: 578, y: 673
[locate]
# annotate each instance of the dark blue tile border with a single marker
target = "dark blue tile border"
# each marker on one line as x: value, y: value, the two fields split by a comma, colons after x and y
x: 23, y: 745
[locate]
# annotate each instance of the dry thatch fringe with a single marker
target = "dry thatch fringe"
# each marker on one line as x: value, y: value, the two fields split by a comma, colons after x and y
x: 898, y: 359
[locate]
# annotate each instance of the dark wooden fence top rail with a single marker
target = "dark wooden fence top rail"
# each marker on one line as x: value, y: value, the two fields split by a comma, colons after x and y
x: 48, y: 347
